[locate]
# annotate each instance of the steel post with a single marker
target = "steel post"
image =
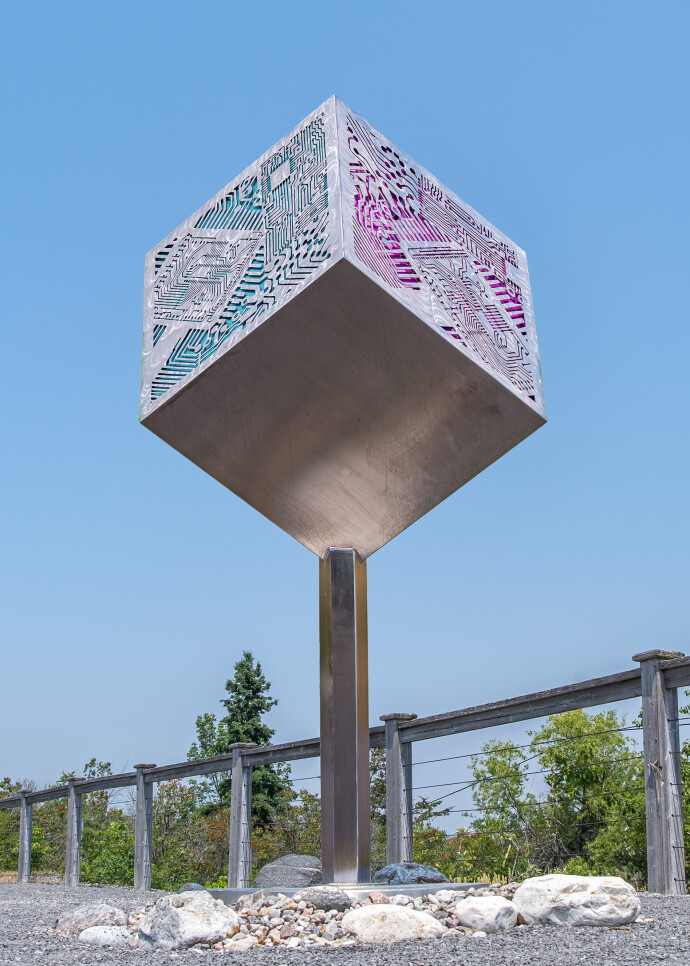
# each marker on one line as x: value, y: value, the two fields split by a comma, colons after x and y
x: 345, y: 822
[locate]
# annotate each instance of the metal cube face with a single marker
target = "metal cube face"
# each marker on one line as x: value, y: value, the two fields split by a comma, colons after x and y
x: 339, y: 339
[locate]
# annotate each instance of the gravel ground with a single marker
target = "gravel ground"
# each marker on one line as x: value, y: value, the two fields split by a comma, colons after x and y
x: 28, y: 913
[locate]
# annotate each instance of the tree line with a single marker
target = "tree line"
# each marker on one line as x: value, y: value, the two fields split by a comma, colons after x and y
x: 586, y: 815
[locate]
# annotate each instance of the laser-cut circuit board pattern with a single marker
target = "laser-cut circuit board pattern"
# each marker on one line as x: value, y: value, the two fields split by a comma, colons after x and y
x: 335, y: 188
x: 243, y: 256
x: 411, y: 233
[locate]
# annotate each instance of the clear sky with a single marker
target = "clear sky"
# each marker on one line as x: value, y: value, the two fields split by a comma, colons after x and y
x: 131, y: 582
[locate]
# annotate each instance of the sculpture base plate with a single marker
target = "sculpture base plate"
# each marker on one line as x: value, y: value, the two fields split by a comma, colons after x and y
x: 359, y: 890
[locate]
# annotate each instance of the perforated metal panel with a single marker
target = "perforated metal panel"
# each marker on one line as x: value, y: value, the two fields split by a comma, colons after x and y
x: 338, y: 338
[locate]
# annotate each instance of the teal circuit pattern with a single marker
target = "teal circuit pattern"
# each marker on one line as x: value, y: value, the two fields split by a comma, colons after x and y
x: 245, y: 255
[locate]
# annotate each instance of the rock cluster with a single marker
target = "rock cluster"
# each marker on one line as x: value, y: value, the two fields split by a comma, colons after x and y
x: 328, y: 915
x: 176, y: 921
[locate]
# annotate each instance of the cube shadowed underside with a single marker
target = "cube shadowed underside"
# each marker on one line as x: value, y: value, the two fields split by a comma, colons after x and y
x: 338, y: 339
x: 343, y: 418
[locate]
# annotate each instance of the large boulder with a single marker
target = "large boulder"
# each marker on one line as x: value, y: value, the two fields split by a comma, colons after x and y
x: 577, y: 900
x: 390, y: 923
x: 486, y: 913
x: 289, y: 872
x: 409, y: 873
x: 95, y: 914
x: 106, y: 936
x: 326, y: 898
x: 179, y: 921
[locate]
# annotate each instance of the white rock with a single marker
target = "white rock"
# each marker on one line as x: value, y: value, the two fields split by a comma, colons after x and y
x: 106, y: 936
x: 245, y: 943
x: 486, y: 913
x: 389, y: 923
x: 179, y: 921
x: 96, y: 914
x: 401, y: 900
x: 479, y: 934
x: 577, y: 900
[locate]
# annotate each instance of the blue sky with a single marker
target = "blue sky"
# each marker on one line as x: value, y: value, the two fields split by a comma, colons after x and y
x: 131, y: 582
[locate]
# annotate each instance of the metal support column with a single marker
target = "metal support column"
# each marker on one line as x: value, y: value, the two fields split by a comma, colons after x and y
x: 663, y: 800
x: 398, y: 791
x: 73, y: 849
x: 240, y: 857
x: 143, y: 828
x: 345, y: 821
x: 25, y: 822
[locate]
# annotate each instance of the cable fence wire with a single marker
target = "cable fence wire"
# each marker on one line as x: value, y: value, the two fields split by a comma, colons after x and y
x: 513, y: 831
x: 498, y: 778
x: 550, y: 827
x: 534, y: 744
x: 556, y: 800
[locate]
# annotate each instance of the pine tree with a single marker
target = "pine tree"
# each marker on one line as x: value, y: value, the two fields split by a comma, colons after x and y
x: 248, y: 700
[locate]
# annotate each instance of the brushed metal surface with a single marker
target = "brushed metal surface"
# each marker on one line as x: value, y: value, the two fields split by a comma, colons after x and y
x: 345, y: 830
x: 343, y: 417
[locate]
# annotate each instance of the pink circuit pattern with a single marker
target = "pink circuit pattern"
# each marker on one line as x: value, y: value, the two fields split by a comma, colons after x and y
x: 416, y: 237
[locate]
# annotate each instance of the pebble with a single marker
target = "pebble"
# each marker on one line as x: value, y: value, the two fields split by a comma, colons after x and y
x: 379, y: 899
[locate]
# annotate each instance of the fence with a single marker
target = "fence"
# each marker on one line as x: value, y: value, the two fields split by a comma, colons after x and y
x: 656, y: 681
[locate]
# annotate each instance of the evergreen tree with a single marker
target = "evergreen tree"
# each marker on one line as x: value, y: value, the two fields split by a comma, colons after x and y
x: 248, y: 700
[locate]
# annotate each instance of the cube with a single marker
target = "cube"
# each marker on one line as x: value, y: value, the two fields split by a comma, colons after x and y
x: 338, y: 339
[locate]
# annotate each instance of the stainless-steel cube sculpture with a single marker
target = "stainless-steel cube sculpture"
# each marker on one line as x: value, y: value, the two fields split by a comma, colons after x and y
x: 338, y: 338
x: 342, y: 342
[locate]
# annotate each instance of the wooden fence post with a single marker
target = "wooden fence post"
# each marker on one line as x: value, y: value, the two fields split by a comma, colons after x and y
x: 239, y: 859
x: 398, y: 790
x: 143, y: 824
x: 662, y: 780
x: 73, y: 849
x: 25, y: 822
